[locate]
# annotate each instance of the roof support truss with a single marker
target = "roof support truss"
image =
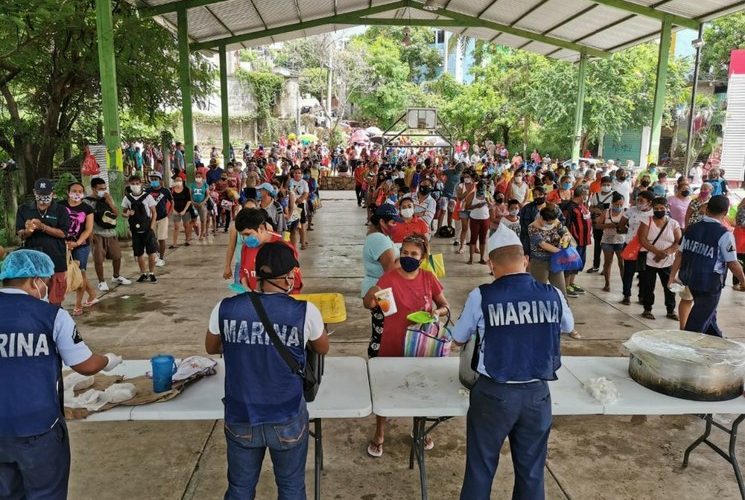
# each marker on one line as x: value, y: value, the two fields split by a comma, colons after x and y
x: 643, y: 10
x: 454, y: 19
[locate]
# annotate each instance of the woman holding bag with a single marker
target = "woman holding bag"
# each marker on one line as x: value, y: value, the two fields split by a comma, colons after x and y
x: 612, y: 241
x: 78, y: 241
x: 414, y: 289
x: 659, y: 237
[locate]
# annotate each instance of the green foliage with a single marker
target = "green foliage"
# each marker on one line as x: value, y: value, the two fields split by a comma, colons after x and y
x: 720, y: 38
x: 313, y: 81
x: 421, y: 57
x: 50, y: 82
x: 62, y: 184
x: 265, y: 87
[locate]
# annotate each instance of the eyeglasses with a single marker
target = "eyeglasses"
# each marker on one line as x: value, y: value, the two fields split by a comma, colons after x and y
x: 414, y: 239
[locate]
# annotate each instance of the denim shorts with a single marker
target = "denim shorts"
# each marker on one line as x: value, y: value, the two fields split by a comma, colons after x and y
x: 81, y: 255
x: 611, y: 247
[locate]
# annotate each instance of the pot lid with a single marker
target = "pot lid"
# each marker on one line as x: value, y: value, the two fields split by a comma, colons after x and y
x: 687, y: 346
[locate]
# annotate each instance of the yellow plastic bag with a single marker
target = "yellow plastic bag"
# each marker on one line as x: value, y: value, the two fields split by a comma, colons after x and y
x: 74, y: 275
x: 435, y: 263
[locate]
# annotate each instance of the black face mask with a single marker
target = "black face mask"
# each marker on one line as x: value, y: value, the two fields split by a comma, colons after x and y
x: 685, y: 192
x: 425, y: 189
x: 645, y: 183
x: 660, y: 214
x: 539, y: 201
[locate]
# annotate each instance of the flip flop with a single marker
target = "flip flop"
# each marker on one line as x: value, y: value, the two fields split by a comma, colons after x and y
x: 374, y: 449
x: 77, y: 312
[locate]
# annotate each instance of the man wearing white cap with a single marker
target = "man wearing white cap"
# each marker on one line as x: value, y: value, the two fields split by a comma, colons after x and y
x: 518, y: 321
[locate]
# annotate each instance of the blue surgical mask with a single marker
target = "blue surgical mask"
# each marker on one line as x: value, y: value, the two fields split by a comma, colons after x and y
x: 155, y: 184
x: 251, y: 241
x: 566, y: 185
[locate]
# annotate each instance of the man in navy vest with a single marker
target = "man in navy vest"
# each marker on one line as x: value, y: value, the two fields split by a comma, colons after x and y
x: 707, y: 250
x: 35, y: 338
x: 264, y: 404
x: 518, y: 321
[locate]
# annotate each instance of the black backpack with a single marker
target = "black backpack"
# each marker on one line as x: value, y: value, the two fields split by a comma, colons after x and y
x: 102, y: 215
x: 446, y: 232
x: 139, y: 222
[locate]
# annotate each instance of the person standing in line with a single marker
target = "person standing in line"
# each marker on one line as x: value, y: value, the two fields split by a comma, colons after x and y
x: 515, y: 360
x: 630, y: 222
x: 270, y: 413
x: 707, y: 251
x: 105, y: 241
x: 78, y: 242
x: 678, y: 203
x: 163, y: 206
x: 599, y: 205
x: 199, y: 195
x: 579, y: 222
x: 43, y: 225
x: 37, y: 337
x: 181, y: 213
x: 140, y: 209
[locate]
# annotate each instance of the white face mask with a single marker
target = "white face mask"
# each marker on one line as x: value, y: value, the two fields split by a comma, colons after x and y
x: 45, y: 297
x: 76, y: 196
x: 606, y: 189
x: 407, y: 213
x: 136, y: 189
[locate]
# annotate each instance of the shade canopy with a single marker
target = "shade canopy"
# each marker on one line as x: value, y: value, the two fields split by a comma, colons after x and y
x: 560, y: 29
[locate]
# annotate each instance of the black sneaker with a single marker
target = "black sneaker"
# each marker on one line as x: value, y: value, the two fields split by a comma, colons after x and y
x: 142, y: 278
x: 593, y: 270
x: 152, y: 279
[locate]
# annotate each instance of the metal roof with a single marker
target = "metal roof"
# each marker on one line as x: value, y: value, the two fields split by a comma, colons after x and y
x: 560, y: 29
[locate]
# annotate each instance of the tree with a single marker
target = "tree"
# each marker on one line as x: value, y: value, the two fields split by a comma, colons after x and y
x: 421, y: 57
x: 49, y: 76
x: 720, y: 38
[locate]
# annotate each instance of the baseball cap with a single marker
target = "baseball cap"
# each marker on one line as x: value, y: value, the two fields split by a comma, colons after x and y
x: 155, y: 173
x: 388, y: 212
x: 268, y: 188
x: 43, y: 186
x: 275, y: 259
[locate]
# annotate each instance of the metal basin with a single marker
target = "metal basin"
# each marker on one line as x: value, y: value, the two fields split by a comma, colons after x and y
x: 687, y: 365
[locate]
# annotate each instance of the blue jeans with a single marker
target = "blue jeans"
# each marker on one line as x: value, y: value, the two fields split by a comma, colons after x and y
x: 35, y: 467
x: 520, y: 412
x: 703, y: 317
x: 288, y: 446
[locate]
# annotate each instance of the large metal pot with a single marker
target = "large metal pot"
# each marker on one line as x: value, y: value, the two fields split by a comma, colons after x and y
x: 687, y: 365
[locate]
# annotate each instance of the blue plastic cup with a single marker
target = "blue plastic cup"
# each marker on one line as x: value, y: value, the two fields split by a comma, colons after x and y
x: 163, y: 366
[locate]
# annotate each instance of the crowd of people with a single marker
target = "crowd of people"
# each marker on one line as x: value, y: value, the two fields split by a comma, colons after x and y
x: 512, y: 215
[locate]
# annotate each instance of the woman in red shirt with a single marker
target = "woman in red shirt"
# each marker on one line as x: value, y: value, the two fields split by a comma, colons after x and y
x: 410, y: 225
x: 413, y: 290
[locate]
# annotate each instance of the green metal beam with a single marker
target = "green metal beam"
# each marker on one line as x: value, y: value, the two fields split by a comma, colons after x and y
x: 659, y: 91
x: 645, y: 11
x: 159, y: 10
x: 580, y: 107
x: 185, y: 84
x: 110, y: 101
x: 440, y: 23
x: 530, y: 35
x: 353, y: 18
x: 224, y: 103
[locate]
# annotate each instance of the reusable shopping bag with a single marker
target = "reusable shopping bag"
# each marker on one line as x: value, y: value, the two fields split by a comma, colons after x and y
x: 74, y: 275
x: 435, y: 263
x: 566, y: 259
x: 425, y: 338
x: 631, y: 251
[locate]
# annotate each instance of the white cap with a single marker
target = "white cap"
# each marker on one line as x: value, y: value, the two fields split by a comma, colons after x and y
x: 502, y: 237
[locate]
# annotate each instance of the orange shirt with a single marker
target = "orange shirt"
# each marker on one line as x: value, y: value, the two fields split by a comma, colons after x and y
x: 403, y: 229
x: 595, y: 186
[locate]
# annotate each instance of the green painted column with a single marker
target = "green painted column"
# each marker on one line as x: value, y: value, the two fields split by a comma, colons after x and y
x: 580, y: 107
x: 224, y: 103
x: 659, y: 91
x: 185, y: 83
x: 110, y: 102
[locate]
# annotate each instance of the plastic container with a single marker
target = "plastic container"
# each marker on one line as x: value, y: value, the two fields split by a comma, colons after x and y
x: 163, y: 368
x: 331, y: 305
x: 386, y: 301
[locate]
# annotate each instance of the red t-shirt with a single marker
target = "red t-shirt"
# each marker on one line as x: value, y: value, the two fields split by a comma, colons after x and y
x: 248, y: 264
x: 403, y: 229
x: 411, y: 296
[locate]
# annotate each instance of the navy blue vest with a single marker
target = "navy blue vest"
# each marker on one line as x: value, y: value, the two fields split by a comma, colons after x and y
x: 30, y: 366
x: 700, y: 248
x: 522, y: 320
x: 259, y: 386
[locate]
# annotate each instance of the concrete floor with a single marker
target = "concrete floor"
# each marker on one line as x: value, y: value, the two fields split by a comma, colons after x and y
x: 589, y: 457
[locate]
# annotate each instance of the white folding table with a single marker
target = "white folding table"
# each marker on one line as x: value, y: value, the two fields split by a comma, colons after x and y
x: 428, y: 390
x: 344, y: 393
x: 636, y: 399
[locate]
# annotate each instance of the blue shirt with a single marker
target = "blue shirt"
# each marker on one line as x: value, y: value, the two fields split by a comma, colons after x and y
x: 375, y: 245
x: 198, y: 193
x: 471, y: 322
x: 727, y: 252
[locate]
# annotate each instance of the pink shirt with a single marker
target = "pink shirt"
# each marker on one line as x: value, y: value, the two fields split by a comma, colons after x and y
x: 678, y: 209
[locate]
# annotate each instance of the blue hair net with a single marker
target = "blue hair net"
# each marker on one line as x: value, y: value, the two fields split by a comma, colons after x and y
x: 26, y: 264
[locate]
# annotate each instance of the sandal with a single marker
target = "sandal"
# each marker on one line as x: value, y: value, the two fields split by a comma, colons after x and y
x: 428, y: 443
x: 483, y: 262
x: 78, y: 311
x: 374, y: 449
x: 172, y: 247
